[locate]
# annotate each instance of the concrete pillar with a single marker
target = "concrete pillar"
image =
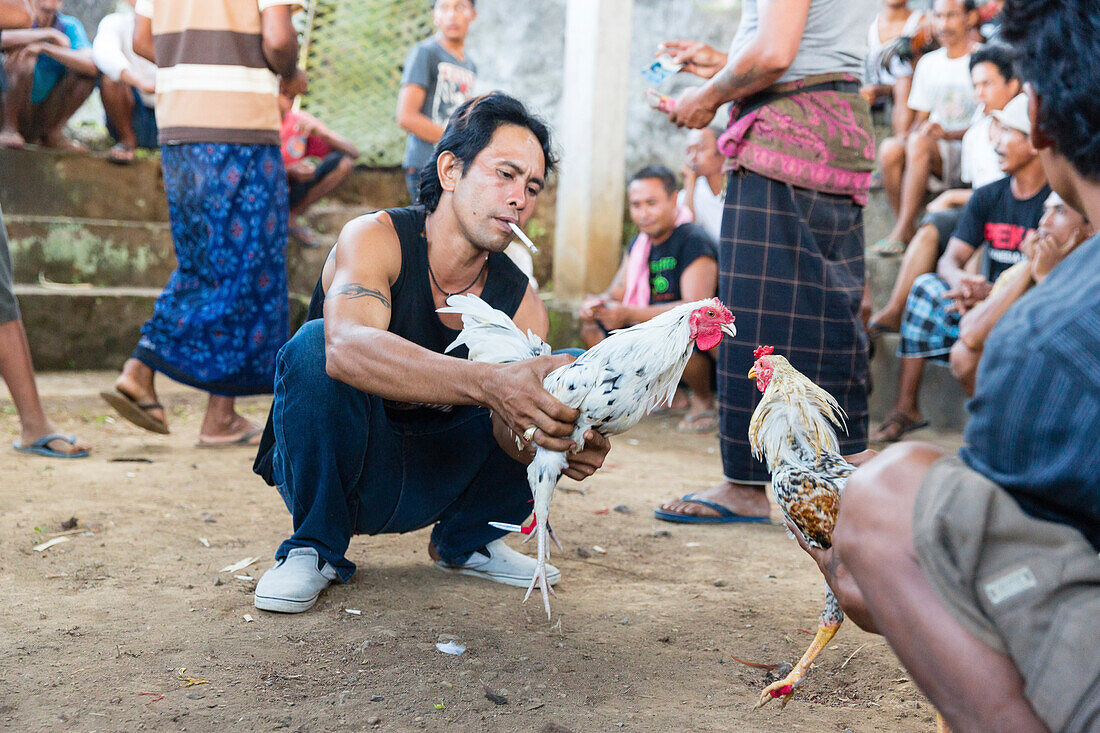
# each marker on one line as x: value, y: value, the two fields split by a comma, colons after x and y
x: 592, y: 138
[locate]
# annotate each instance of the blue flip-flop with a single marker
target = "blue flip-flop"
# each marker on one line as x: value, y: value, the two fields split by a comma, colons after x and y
x: 41, y: 447
x: 725, y: 516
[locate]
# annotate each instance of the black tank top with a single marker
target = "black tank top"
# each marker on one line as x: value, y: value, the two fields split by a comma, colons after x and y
x: 412, y: 314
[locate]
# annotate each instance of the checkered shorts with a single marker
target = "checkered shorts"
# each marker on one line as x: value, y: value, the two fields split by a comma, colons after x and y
x: 928, y: 328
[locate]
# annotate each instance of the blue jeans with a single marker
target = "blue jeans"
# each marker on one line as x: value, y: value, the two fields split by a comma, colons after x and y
x: 344, y: 467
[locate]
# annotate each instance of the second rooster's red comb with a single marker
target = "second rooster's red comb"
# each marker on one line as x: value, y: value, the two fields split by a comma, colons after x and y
x: 762, y: 351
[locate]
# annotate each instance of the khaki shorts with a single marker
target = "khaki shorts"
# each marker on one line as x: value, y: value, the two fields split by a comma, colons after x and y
x: 951, y: 158
x: 1026, y: 587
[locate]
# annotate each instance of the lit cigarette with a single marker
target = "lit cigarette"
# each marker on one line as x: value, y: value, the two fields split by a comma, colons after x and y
x: 523, y: 238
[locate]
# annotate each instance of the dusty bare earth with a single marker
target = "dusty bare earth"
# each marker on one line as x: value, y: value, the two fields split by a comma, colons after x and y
x: 96, y: 629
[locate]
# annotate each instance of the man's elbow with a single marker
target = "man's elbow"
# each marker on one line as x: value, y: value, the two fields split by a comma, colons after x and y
x: 337, y: 362
x: 19, y: 19
x: 281, y: 52
x: 775, y: 62
x: 964, y: 366
x: 404, y: 119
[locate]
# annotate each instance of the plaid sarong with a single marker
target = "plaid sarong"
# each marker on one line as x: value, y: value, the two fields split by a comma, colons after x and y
x: 791, y: 270
x: 928, y: 329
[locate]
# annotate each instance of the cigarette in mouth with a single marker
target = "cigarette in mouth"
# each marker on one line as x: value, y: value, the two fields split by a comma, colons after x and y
x: 523, y: 238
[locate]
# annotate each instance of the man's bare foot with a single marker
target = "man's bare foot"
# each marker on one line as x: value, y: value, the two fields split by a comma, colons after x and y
x: 137, y: 383
x: 64, y: 447
x: 747, y: 501
x: 11, y: 139
x: 884, y: 321
x: 234, y: 430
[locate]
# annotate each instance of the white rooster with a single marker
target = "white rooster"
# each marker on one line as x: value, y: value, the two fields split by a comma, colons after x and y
x: 613, y: 385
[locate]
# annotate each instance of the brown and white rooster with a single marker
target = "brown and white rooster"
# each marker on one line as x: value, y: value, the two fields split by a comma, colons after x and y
x: 613, y: 385
x: 792, y: 431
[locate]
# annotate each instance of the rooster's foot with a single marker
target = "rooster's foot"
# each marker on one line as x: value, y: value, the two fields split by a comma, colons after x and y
x: 784, y: 688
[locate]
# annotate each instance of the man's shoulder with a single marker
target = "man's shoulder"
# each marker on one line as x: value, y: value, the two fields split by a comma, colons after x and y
x: 429, y: 47
x: 695, y: 234
x: 932, y: 59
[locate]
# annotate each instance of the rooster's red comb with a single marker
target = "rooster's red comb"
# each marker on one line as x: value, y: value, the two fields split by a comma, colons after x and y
x: 762, y: 351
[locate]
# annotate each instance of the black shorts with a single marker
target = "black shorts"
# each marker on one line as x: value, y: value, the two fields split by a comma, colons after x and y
x: 299, y: 189
x: 945, y: 223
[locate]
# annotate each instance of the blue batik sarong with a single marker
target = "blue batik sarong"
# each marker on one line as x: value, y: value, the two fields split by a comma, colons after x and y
x: 223, y: 314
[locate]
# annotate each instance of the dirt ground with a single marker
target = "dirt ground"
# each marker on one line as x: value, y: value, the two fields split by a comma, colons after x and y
x: 96, y: 629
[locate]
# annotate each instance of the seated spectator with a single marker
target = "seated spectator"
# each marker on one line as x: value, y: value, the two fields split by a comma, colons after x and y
x: 670, y: 262
x: 50, y: 73
x: 997, y: 218
x: 981, y: 569
x: 1060, y: 231
x: 703, y: 181
x: 891, y: 81
x: 127, y: 87
x: 305, y: 139
x: 994, y: 85
x: 942, y: 98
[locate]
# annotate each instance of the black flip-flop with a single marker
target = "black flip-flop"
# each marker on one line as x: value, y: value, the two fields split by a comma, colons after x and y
x: 905, y: 425
x: 135, y: 412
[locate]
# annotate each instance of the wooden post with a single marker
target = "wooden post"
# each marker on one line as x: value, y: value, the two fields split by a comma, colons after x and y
x: 592, y: 138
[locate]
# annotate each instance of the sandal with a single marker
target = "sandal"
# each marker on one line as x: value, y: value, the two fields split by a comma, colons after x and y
x: 876, y: 329
x: 121, y: 154
x: 704, y: 422
x: 136, y: 412
x: 897, y: 426
x: 888, y: 248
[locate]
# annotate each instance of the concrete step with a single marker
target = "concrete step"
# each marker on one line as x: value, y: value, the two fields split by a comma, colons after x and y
x: 44, y: 182
x: 102, y: 252
x: 93, y: 327
x: 114, y: 253
x: 942, y: 400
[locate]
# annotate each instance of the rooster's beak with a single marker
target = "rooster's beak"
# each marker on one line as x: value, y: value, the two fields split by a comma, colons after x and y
x: 728, y: 329
x: 752, y: 373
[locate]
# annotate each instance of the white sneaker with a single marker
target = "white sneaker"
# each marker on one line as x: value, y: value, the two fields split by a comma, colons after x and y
x: 292, y: 586
x: 503, y: 565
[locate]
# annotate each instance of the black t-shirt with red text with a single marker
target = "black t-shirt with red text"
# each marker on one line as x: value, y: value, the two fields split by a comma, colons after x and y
x: 1000, y: 221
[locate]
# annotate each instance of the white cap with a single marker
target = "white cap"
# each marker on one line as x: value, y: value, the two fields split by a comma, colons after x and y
x: 1015, y: 114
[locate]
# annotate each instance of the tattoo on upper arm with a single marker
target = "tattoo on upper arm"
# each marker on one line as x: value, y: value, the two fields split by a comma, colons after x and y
x: 354, y: 290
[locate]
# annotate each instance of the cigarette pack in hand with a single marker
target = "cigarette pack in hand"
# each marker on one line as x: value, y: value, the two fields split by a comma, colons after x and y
x: 662, y: 68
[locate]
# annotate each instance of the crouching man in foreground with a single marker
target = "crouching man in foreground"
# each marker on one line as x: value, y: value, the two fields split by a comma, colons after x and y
x: 981, y: 570
x: 373, y: 429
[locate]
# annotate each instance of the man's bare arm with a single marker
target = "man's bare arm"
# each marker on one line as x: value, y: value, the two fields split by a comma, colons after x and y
x: 409, y: 117
x: 79, y: 61
x: 143, y: 38
x: 280, y: 40
x: 756, y: 67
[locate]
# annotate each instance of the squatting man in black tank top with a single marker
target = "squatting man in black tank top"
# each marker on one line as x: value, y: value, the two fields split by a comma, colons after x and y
x: 373, y: 429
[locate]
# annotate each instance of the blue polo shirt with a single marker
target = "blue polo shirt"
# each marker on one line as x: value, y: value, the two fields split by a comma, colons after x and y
x: 1035, y: 418
x: 47, y: 71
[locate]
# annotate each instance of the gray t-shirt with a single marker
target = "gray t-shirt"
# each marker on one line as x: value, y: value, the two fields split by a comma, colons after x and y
x: 835, y: 38
x: 447, y: 82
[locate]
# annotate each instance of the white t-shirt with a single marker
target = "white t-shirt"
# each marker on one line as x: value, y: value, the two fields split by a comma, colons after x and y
x: 942, y: 87
x: 113, y: 52
x: 875, y: 47
x: 708, y: 207
x: 980, y: 164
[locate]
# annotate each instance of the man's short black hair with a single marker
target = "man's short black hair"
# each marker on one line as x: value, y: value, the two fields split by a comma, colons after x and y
x: 470, y: 130
x: 1057, y: 45
x: 661, y: 173
x: 998, y: 54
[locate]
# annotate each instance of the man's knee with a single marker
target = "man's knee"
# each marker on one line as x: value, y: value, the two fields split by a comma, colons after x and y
x: 877, y: 506
x: 919, y: 146
x: 892, y: 151
x: 344, y: 166
x: 304, y: 353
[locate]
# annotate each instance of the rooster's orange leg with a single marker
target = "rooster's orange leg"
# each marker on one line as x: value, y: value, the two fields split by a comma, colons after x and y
x: 784, y: 688
x: 941, y: 724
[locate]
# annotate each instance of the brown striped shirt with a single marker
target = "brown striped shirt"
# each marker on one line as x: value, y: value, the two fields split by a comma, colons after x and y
x: 213, y: 82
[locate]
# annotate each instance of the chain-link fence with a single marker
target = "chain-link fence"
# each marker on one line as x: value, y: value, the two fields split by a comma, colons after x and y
x: 354, y: 52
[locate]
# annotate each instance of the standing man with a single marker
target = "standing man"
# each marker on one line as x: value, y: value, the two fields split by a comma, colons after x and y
x: 791, y: 255
x: 50, y: 73
x: 17, y: 371
x: 438, y: 78
x: 127, y: 87
x: 374, y: 429
x: 223, y: 314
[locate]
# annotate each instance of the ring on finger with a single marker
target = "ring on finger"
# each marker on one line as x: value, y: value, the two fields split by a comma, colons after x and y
x: 529, y: 433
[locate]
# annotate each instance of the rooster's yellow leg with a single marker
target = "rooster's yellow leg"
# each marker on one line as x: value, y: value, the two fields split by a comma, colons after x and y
x: 941, y: 724
x: 784, y: 688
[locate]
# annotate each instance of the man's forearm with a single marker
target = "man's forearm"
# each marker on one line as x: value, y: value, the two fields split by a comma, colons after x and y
x: 748, y: 72
x: 79, y: 61
x: 422, y: 127
x: 19, y: 38
x: 384, y: 364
